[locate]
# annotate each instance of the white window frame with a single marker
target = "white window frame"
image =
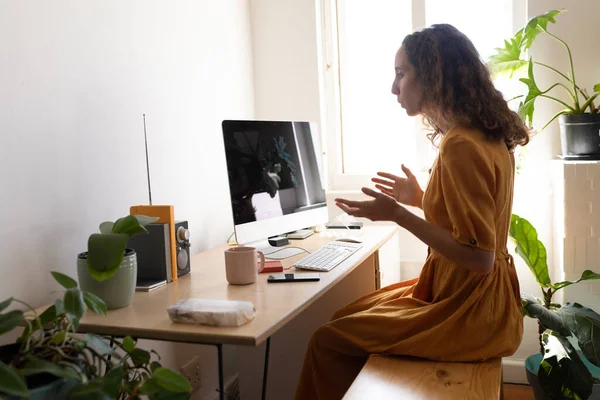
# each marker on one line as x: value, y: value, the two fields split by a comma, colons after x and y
x: 331, y: 123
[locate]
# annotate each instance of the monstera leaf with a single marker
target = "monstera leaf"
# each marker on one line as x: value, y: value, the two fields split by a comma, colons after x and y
x: 527, y: 106
x: 562, y: 374
x: 535, y: 26
x: 585, y: 325
x: 530, y: 248
x: 507, y: 59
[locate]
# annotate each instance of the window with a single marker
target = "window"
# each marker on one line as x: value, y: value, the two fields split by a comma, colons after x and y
x: 366, y: 130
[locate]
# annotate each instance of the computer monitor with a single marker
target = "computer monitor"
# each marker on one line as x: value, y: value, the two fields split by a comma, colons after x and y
x: 275, y: 177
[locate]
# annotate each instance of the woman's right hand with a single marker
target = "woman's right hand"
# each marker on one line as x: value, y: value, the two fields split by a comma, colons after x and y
x: 404, y: 190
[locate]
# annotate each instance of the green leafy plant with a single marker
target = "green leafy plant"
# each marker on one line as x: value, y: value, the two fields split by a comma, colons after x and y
x: 92, y: 367
x: 562, y: 373
x: 511, y: 58
x: 107, y: 248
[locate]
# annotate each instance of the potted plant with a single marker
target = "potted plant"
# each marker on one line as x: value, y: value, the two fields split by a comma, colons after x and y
x: 579, y: 120
x: 109, y: 269
x: 50, y: 361
x: 558, y: 371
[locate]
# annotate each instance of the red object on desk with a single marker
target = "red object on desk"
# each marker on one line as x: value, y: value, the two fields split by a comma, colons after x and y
x: 272, y: 266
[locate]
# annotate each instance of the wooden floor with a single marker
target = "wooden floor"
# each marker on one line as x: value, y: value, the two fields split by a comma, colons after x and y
x: 517, y: 392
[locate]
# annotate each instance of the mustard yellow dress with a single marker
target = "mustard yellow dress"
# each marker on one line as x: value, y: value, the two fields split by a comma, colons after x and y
x: 449, y: 313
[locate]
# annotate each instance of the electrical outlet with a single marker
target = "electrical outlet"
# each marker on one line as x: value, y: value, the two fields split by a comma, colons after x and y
x: 191, y: 371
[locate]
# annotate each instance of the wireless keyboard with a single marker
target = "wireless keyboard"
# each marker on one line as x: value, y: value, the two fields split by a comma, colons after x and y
x: 328, y: 256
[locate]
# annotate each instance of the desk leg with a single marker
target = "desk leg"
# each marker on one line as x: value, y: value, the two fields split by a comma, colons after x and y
x: 220, y: 356
x: 266, y: 371
x: 377, y: 270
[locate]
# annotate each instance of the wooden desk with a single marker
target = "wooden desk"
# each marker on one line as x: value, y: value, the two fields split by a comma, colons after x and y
x: 276, y: 304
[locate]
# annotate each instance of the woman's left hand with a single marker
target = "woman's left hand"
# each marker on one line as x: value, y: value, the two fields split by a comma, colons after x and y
x: 380, y: 208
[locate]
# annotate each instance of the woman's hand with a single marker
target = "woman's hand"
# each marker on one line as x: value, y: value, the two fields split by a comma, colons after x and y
x: 404, y: 190
x: 381, y: 208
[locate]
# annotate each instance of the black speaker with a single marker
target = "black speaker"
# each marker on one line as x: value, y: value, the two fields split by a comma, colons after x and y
x: 154, y: 252
x: 182, y: 245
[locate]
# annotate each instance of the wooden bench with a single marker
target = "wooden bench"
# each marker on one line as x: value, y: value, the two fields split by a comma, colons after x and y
x: 413, y: 378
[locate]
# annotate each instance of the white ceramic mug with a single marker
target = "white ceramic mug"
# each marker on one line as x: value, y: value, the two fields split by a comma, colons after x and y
x: 241, y: 267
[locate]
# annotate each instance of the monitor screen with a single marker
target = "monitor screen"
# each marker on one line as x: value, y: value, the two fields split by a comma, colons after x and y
x: 274, y: 173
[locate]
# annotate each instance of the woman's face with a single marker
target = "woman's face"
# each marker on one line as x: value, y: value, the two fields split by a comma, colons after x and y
x: 405, y: 86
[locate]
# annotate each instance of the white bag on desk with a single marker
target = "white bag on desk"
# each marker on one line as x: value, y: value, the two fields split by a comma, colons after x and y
x: 212, y: 312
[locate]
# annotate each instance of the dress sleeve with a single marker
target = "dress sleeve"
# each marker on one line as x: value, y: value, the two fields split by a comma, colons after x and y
x: 468, y: 186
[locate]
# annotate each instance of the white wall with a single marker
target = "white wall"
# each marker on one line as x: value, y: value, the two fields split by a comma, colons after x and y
x: 284, y: 48
x: 75, y: 79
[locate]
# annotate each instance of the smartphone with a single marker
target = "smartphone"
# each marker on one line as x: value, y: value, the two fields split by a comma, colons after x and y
x: 292, y: 277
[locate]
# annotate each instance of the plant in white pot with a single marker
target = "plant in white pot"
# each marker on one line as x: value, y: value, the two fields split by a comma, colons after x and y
x: 579, y: 120
x: 109, y: 269
x: 558, y: 371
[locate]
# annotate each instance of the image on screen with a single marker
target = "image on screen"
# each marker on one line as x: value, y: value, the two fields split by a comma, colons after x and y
x: 272, y: 169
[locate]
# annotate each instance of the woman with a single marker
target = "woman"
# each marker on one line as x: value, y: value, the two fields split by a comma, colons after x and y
x: 465, y: 304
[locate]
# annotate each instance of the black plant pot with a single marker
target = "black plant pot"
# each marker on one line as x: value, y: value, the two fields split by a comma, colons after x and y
x: 580, y: 136
x: 532, y: 365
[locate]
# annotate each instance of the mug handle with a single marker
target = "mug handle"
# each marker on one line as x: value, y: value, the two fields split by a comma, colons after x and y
x: 262, y: 261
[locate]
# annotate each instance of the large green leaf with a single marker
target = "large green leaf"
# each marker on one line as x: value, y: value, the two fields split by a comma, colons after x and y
x: 139, y: 357
x: 145, y: 220
x: 73, y: 301
x: 548, y: 318
x: 65, y: 281
x: 171, y: 380
x: 587, y: 275
x: 94, y: 303
x: 106, y: 227
x: 585, y: 325
x: 562, y: 374
x: 156, y: 392
x: 530, y: 248
x: 527, y: 108
x: 507, y: 59
x: 132, y: 225
x: 11, y: 382
x: 112, y: 381
x: 5, y: 304
x: 597, y: 87
x: 89, y: 391
x: 537, y: 25
x: 10, y: 320
x: 35, y: 365
x: 128, y: 344
x: 105, y: 253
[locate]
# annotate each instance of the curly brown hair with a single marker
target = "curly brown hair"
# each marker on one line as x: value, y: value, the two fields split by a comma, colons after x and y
x: 457, y: 86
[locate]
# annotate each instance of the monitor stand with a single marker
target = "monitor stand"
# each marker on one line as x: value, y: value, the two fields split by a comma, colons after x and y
x: 275, y: 253
x: 300, y: 234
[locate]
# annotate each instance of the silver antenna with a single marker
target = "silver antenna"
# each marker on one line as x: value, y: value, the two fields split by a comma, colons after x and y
x: 147, y: 163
